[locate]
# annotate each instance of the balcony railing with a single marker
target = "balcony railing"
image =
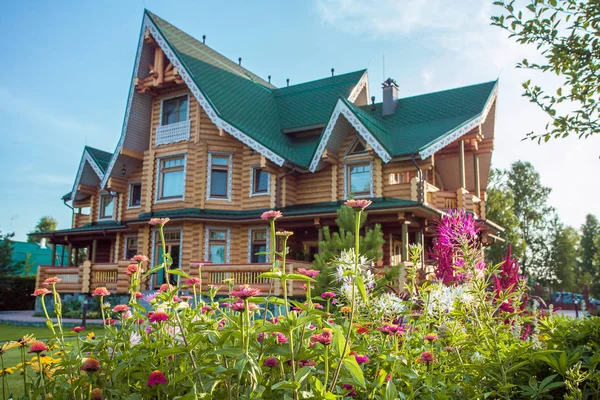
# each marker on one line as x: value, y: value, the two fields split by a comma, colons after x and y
x: 172, y: 133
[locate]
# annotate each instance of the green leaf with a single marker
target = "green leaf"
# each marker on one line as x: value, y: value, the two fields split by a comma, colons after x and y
x: 171, y: 351
x: 270, y: 275
x: 299, y: 277
x: 286, y: 385
x: 391, y: 393
x: 360, y: 283
x: 229, y: 351
x: 303, y: 373
x: 354, y: 369
x: 179, y: 272
x: 152, y: 270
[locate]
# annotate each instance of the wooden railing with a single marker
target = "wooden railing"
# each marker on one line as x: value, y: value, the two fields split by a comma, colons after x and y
x: 445, y: 200
x: 70, y: 280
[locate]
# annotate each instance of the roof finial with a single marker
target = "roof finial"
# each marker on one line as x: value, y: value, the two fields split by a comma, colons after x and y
x: 269, y: 78
x: 288, y: 81
x: 332, y: 71
x: 240, y: 61
x: 203, y: 39
x: 373, y: 103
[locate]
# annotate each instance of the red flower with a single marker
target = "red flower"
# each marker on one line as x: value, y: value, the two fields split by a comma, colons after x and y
x: 361, y: 359
x: 131, y: 269
x: 110, y: 321
x: 245, y: 291
x: 101, y: 291
x: 78, y: 329
x: 139, y: 295
x: 271, y: 362
x: 91, y: 365
x: 51, y: 281
x: 362, y: 329
x: 427, y: 357
x: 158, y: 221
x: 271, y: 215
x: 324, y: 337
x: 164, y: 287
x: 140, y: 258
x: 41, y: 292
x: 432, y: 337
x: 193, y: 281
x: 358, y: 203
x: 121, y: 308
x: 311, y: 273
x: 157, y: 378
x: 38, y: 347
x: 158, y: 316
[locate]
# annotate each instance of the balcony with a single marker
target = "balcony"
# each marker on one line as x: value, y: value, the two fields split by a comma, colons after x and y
x: 173, y: 133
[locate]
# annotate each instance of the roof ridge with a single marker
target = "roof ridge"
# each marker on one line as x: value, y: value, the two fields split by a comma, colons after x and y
x: 317, y: 80
x: 97, y: 149
x: 446, y: 90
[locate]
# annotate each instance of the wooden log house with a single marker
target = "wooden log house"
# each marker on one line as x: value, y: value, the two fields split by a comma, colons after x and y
x: 211, y: 145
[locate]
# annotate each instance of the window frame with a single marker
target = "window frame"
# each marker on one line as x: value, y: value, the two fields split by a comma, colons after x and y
x: 207, y: 241
x: 251, y: 231
x: 126, y: 246
x: 229, y: 156
x: 129, y: 197
x: 163, y: 109
x: 348, y: 179
x: 101, y: 216
x: 159, y: 178
x: 253, y: 192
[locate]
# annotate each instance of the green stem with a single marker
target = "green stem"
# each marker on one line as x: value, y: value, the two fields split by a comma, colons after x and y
x: 48, y: 320
x: 4, y: 383
x: 247, y: 312
x: 166, y: 268
x: 272, y: 252
x: 326, y: 367
x: 24, y: 370
x: 42, y: 374
x: 102, y: 311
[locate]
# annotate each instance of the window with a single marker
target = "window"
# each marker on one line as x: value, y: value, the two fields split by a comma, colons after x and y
x: 218, y: 246
x: 397, y: 178
x: 171, y: 178
x: 358, y: 147
x: 258, y: 244
x: 131, y: 247
x: 260, y: 182
x: 175, y: 110
x: 135, y: 195
x: 220, y: 174
x: 107, y: 206
x: 358, y: 179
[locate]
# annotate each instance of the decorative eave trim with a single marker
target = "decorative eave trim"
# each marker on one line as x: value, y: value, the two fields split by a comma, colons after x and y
x: 362, y: 83
x: 86, y: 157
x: 438, y: 144
x: 342, y: 108
x: 209, y: 108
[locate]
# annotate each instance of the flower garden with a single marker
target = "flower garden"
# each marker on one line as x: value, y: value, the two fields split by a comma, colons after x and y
x: 466, y: 330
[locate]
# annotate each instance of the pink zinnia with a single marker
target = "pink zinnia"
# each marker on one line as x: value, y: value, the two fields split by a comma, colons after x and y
x: 432, y: 337
x: 361, y: 359
x: 51, y: 281
x: 358, y: 203
x: 38, y: 347
x: 327, y: 295
x: 158, y: 316
x: 156, y: 378
x: 140, y: 258
x: 193, y: 281
x: 318, y: 306
x: 311, y: 273
x: 271, y: 362
x: 245, y: 291
x: 281, y: 338
x: 306, y: 363
x: 261, y: 337
x: 271, y: 215
x: 186, y: 298
x: 110, y: 321
x: 158, y: 221
x: 121, y: 308
x: 78, y: 329
x: 131, y: 269
x: 324, y: 337
x: 239, y: 306
x: 41, y: 292
x: 427, y: 357
x: 101, y: 291
x: 139, y: 295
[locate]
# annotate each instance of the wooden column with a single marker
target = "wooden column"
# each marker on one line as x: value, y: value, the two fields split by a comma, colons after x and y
x: 70, y: 255
x: 405, y: 241
x: 53, y: 255
x: 476, y: 175
x: 461, y: 162
x: 62, y: 256
x: 94, y: 246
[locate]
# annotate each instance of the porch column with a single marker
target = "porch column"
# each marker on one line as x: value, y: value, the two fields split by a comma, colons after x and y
x: 62, y: 255
x: 476, y: 175
x: 317, y: 222
x: 53, y: 263
x: 461, y: 162
x: 70, y: 255
x: 94, y: 246
x: 404, y: 241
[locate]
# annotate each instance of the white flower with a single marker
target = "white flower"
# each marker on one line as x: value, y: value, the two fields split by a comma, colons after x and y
x: 345, y: 275
x: 135, y: 339
x: 389, y: 304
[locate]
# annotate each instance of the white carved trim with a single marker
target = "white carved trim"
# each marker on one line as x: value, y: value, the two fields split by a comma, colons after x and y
x: 342, y: 108
x: 362, y: 83
x: 432, y: 147
x: 173, y: 133
x: 227, y: 241
x: 86, y: 157
x: 252, y: 194
x: 229, y: 177
x: 158, y: 181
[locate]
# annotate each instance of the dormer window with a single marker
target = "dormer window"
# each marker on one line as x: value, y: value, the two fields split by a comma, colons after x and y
x: 357, y: 148
x: 175, y: 110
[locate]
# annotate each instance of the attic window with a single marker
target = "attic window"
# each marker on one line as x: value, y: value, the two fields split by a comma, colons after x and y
x: 174, y: 110
x: 357, y: 148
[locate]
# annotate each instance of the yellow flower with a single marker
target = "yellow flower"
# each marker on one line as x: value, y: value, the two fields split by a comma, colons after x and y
x: 7, y: 371
x: 7, y: 346
x: 26, y: 341
x: 90, y: 336
x: 345, y: 309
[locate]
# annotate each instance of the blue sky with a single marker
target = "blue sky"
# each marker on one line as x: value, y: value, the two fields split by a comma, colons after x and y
x: 66, y: 68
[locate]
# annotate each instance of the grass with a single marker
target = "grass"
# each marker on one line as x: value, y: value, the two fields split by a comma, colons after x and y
x: 13, y: 357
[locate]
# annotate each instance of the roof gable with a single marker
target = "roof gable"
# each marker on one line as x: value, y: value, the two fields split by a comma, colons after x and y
x: 93, y: 164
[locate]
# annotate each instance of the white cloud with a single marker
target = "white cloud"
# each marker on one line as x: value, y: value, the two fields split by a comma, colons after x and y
x: 427, y: 75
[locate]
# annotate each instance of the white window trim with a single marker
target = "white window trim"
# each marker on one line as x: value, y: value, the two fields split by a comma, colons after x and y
x: 268, y: 243
x: 100, y: 208
x: 126, y: 240
x: 129, y: 206
x: 159, y: 159
x: 229, y: 176
x: 155, y: 240
x: 174, y: 96
x: 227, y: 244
x: 252, y: 193
x: 347, y: 176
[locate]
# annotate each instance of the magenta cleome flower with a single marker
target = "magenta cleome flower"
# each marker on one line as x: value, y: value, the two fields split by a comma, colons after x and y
x: 156, y: 378
x: 245, y: 291
x: 271, y: 215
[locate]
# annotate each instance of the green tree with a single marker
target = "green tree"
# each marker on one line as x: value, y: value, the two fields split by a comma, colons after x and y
x: 7, y: 266
x: 499, y: 208
x: 567, y: 35
x: 44, y: 224
x: 564, y: 257
x: 371, y: 243
x: 588, y: 268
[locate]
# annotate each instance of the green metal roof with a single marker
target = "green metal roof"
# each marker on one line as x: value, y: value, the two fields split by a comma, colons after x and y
x: 102, y: 158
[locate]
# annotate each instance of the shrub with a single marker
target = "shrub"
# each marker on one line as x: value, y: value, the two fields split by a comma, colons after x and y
x: 15, y: 293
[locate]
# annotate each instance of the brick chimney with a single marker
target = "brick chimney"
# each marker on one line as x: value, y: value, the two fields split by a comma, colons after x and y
x: 390, y: 96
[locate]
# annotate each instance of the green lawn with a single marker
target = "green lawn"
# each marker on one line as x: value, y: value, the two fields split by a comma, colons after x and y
x: 13, y: 357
